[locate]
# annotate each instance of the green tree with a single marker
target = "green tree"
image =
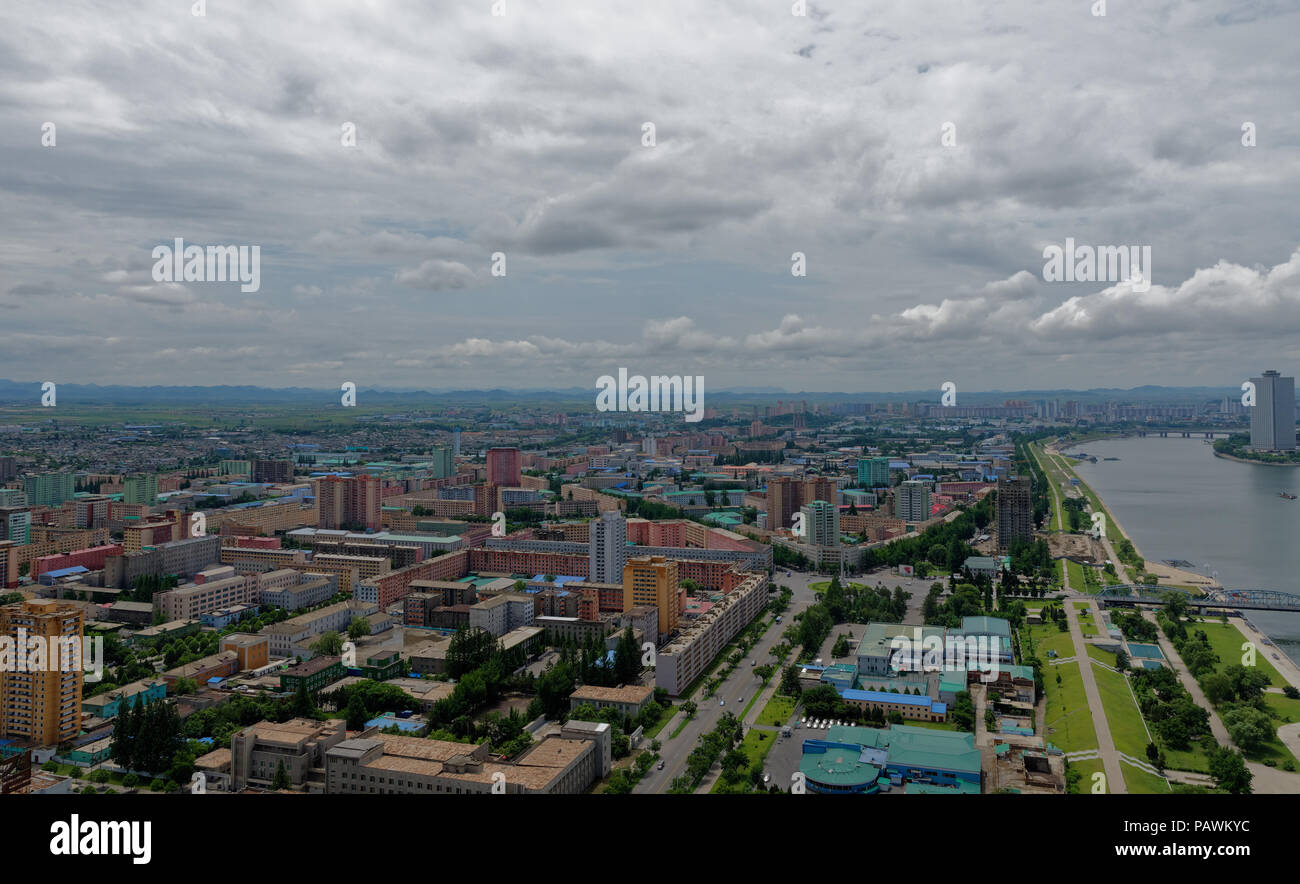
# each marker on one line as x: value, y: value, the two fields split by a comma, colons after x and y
x: 330, y: 644
x: 790, y: 682
x: 1229, y: 770
x: 281, y: 779
x: 356, y: 713
x: 1250, y: 728
x: 627, y: 658
x: 303, y: 707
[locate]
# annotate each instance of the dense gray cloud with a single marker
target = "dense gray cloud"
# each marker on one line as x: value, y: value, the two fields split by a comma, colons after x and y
x: 774, y: 134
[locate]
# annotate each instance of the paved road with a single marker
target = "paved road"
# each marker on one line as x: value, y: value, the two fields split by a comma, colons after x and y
x: 741, y: 684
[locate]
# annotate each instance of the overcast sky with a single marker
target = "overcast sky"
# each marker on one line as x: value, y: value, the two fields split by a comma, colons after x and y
x: 775, y: 134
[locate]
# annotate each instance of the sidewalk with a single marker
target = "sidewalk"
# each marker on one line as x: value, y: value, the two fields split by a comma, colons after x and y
x: 1105, y: 744
x: 1285, y: 666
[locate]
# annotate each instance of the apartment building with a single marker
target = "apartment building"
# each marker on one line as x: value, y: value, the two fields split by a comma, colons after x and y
x: 679, y: 663
x: 388, y: 588
x: 274, y: 472
x: 155, y: 532
x: 190, y: 600
x: 8, y: 564
x: 259, y: 559
x: 42, y: 705
x: 1015, y: 511
x: 653, y: 580
x: 304, y: 590
x: 607, y: 547
x: 502, y: 613
x: 503, y: 466
x: 290, y: 637
x: 346, y: 502
x: 821, y: 523
x: 181, y: 557
x: 912, y: 500
x: 784, y: 497
x: 349, y: 570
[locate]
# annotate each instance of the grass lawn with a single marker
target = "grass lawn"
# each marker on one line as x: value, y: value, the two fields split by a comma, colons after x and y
x: 1193, y: 758
x: 1087, y: 768
x: 777, y: 711
x: 1226, y: 640
x: 1077, y: 581
x: 1048, y: 637
x: 1068, y: 719
x: 1087, y: 624
x: 664, y: 717
x: 933, y: 725
x: 1104, y: 656
x: 823, y: 585
x: 1122, y: 714
x: 1285, y: 708
x: 1140, y: 782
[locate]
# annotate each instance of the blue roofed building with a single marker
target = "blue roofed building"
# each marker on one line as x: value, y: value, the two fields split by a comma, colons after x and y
x: 910, y: 706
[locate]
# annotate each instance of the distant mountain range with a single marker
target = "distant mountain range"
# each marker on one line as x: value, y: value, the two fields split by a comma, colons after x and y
x: 27, y: 393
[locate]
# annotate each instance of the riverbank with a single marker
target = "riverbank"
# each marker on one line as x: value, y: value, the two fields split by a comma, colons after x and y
x: 1285, y: 666
x: 1261, y: 463
x: 1167, y: 574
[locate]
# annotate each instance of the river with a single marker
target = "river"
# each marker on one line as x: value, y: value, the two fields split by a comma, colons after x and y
x: 1177, y: 501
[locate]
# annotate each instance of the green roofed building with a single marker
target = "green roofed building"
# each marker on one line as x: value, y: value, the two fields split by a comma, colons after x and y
x: 852, y: 759
x: 962, y: 788
x: 877, y: 646
x: 985, y: 626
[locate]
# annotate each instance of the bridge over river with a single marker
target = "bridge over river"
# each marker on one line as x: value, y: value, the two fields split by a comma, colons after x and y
x: 1241, y: 599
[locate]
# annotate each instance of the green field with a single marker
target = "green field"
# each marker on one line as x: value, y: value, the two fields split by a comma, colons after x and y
x: 1125, y: 720
x: 1068, y: 719
x: 1097, y: 653
x: 1226, y: 640
x: 1139, y: 782
x: 1047, y: 637
x: 933, y: 725
x: 1122, y: 714
x: 823, y: 585
x: 1054, y: 478
x: 1087, y: 623
x: 1086, y: 770
x: 1077, y: 581
x: 1286, y: 709
x: 777, y: 711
